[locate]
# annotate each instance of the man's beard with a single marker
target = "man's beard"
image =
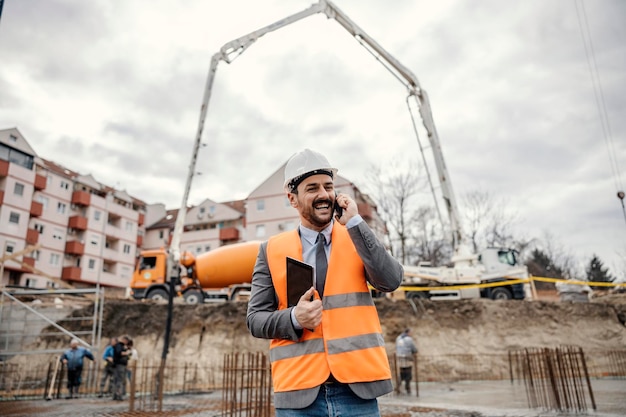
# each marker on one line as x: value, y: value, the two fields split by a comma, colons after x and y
x: 309, y: 213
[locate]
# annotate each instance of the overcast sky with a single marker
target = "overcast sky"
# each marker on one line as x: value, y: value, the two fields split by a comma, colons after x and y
x: 113, y: 88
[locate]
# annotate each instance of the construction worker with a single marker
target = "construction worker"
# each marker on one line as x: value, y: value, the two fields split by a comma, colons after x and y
x: 327, y: 351
x: 121, y: 352
x: 107, y: 372
x: 73, y: 359
x: 405, y: 352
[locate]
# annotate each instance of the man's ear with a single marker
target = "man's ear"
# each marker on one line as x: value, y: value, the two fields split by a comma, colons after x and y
x: 293, y: 199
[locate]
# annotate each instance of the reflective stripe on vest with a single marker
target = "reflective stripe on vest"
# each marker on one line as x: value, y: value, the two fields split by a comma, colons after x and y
x: 349, y: 342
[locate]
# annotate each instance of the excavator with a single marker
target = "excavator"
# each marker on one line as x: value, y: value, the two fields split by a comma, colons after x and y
x: 494, y: 273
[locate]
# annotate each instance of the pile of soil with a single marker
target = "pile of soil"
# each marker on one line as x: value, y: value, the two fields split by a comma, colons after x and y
x: 477, y: 326
x: 204, y: 333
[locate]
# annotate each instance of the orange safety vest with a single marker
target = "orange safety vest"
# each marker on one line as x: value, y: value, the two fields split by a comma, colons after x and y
x: 349, y: 341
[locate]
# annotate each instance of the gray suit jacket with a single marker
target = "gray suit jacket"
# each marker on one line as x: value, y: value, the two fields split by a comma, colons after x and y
x: 264, y: 319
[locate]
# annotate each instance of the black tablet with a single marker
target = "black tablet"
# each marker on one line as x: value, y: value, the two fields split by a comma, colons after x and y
x: 300, y: 278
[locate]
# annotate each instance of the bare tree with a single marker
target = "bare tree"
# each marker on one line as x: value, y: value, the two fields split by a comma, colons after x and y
x: 430, y: 244
x: 560, y: 259
x: 396, y: 191
x: 490, y: 221
x: 478, y: 207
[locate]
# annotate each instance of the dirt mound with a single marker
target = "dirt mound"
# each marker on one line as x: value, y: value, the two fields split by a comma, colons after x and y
x: 205, y: 332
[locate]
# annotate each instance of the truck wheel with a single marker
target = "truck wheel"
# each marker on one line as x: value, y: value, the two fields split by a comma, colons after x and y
x: 417, y: 295
x: 193, y: 297
x: 501, y: 293
x: 158, y: 295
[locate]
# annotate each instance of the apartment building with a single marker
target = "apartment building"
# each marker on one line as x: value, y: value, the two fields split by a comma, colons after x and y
x: 207, y: 226
x: 60, y: 226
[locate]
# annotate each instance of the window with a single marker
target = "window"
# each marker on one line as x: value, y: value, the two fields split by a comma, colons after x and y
x: 160, y: 234
x: 61, y: 207
x: 9, y: 247
x: 57, y: 234
x: 260, y: 230
x: 39, y: 228
x: 14, y: 217
x: 43, y: 200
x: 95, y: 240
x: 198, y: 249
x: 129, y: 226
x: 64, y: 185
x: 96, y: 215
x: 13, y: 138
x: 31, y: 282
x: 18, y: 189
x: 55, y: 258
x: 125, y: 272
x: 147, y: 263
x: 91, y: 264
x: 207, y: 248
x: 260, y: 205
x: 16, y: 157
x: 126, y: 248
x: 35, y: 254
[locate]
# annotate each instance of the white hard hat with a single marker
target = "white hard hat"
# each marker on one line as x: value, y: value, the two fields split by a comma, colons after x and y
x: 302, y: 165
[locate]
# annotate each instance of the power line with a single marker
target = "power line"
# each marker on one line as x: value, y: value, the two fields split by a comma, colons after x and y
x: 583, y: 25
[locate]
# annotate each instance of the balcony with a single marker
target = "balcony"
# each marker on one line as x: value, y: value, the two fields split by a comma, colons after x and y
x: 81, y: 198
x: 229, y: 233
x: 139, y: 241
x: 74, y: 247
x: 40, y: 182
x: 141, y: 220
x: 4, y: 168
x: 36, y: 209
x: 77, y: 222
x: 1, y: 197
x: 28, y: 262
x: 71, y: 273
x: 32, y: 236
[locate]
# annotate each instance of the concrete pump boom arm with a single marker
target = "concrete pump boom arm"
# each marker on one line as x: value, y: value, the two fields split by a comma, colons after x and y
x: 231, y: 50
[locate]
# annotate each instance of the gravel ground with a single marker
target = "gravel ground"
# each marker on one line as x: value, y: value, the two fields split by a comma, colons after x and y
x: 468, y: 399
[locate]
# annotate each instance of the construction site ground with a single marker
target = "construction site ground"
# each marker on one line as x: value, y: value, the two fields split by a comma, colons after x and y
x: 203, y: 334
x: 460, y: 399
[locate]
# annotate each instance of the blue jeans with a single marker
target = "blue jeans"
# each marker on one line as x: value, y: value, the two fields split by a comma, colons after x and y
x: 334, y: 400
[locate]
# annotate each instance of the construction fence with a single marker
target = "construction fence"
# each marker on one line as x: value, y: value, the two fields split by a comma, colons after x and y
x: 242, y: 381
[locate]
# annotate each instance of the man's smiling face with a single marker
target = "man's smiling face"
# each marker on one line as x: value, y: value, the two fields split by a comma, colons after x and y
x: 314, y: 201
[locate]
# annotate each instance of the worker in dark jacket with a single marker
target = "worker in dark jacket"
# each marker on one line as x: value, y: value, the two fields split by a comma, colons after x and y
x: 120, y: 360
x: 73, y: 359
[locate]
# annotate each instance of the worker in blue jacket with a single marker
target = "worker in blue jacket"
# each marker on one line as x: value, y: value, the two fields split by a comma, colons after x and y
x: 73, y: 359
x: 107, y: 372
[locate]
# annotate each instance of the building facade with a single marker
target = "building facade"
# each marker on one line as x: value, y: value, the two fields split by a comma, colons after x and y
x: 59, y: 227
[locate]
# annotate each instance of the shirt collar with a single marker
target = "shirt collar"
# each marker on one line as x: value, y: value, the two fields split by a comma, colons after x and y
x: 311, y: 235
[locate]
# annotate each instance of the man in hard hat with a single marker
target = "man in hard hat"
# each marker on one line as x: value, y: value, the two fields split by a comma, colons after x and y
x: 327, y: 351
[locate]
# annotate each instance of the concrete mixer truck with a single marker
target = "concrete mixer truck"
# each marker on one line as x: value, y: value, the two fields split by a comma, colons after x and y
x: 222, y: 274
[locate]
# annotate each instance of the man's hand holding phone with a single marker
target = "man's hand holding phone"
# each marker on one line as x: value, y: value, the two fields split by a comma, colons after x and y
x: 345, y: 208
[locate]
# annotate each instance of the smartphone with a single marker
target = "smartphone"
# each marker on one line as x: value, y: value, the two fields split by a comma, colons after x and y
x: 338, y: 210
